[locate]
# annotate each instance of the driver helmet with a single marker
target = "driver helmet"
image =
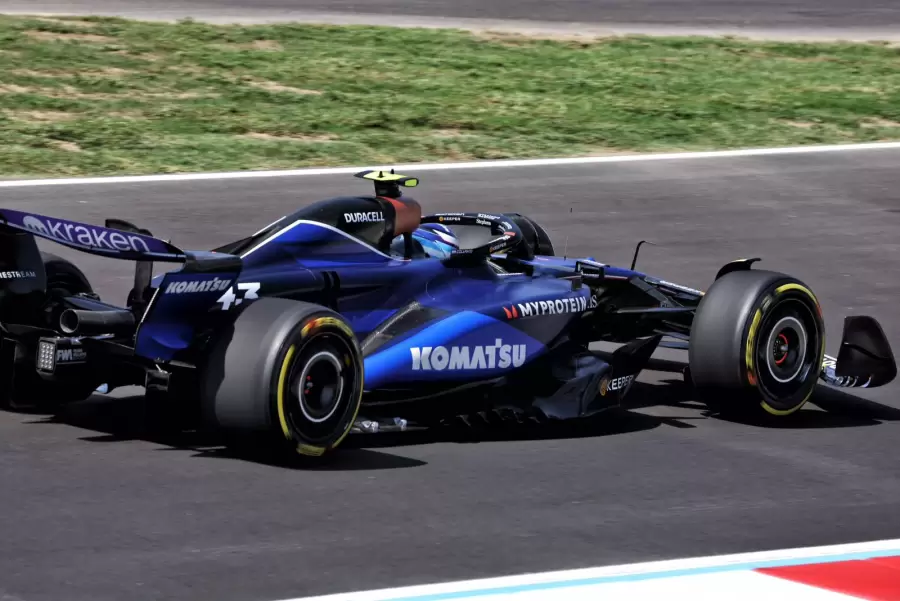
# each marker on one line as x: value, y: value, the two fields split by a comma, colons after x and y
x: 437, y: 240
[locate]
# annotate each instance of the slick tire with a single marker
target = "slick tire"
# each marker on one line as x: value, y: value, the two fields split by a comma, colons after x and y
x: 287, y: 372
x: 757, y: 343
x: 537, y: 242
x: 63, y: 277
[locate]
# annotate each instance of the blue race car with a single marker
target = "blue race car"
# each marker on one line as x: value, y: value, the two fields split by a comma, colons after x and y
x: 357, y: 309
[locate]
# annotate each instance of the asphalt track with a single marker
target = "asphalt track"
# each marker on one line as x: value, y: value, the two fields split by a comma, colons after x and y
x: 98, y: 506
x: 862, y: 19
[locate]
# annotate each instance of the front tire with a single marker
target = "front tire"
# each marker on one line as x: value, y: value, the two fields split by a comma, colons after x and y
x: 287, y: 370
x: 757, y: 341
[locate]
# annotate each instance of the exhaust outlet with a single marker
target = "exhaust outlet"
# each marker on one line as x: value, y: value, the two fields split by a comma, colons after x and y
x: 77, y: 321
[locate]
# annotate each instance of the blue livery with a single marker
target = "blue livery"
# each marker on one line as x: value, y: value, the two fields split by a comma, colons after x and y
x: 358, y: 309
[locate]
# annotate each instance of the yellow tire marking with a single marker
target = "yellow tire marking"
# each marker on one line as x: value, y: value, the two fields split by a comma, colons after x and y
x: 280, y: 396
x: 751, y: 337
x: 783, y: 412
x: 310, y: 450
x: 803, y: 289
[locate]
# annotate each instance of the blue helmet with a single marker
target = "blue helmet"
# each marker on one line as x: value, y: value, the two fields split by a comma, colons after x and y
x: 437, y: 240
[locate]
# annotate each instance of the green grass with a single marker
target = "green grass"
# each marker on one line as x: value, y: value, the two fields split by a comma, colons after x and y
x: 108, y: 96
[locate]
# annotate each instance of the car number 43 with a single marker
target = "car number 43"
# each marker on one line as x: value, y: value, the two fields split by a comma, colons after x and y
x: 234, y: 296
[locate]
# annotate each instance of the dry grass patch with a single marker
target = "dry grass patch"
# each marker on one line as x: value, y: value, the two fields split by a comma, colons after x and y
x: 798, y: 124
x: 114, y: 71
x: 512, y: 38
x: 58, y: 74
x: 72, y: 22
x: 11, y: 88
x: 447, y: 133
x: 254, y: 135
x: 41, y: 116
x: 879, y: 122
x: 49, y: 36
x: 172, y: 95
x: 604, y: 151
x: 150, y: 57
x: 272, y: 86
x: 188, y: 69
x: 268, y: 45
x: 66, y: 146
x: 263, y: 45
x: 33, y: 73
x: 857, y: 89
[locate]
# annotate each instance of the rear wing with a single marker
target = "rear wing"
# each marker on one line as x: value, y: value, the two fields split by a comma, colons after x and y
x: 120, y: 239
x: 128, y: 243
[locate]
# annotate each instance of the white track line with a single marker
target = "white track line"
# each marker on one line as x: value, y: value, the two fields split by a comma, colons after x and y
x: 562, y: 580
x: 415, y: 167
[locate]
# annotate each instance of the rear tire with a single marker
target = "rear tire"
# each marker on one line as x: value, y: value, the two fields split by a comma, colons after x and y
x: 757, y: 342
x: 287, y: 372
x: 537, y: 241
x: 28, y: 388
x: 63, y: 277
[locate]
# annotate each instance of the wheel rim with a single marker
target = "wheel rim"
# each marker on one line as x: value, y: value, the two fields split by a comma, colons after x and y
x: 319, y: 387
x: 320, y: 380
x: 787, y: 349
x: 786, y: 352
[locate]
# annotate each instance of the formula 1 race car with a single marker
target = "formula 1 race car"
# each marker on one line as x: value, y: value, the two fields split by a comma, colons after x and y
x: 361, y: 307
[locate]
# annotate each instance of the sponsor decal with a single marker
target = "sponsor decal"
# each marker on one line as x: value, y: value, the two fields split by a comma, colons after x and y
x: 506, y: 225
x: 440, y: 358
x: 486, y: 216
x: 245, y: 291
x: 85, y: 235
x: 559, y: 306
x: 482, y: 222
x: 369, y: 217
x: 70, y: 355
x: 189, y: 286
x: 450, y: 219
x: 615, y: 384
x: 16, y: 275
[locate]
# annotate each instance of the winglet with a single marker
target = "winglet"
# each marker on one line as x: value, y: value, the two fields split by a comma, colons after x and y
x: 388, y: 184
x: 380, y: 175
